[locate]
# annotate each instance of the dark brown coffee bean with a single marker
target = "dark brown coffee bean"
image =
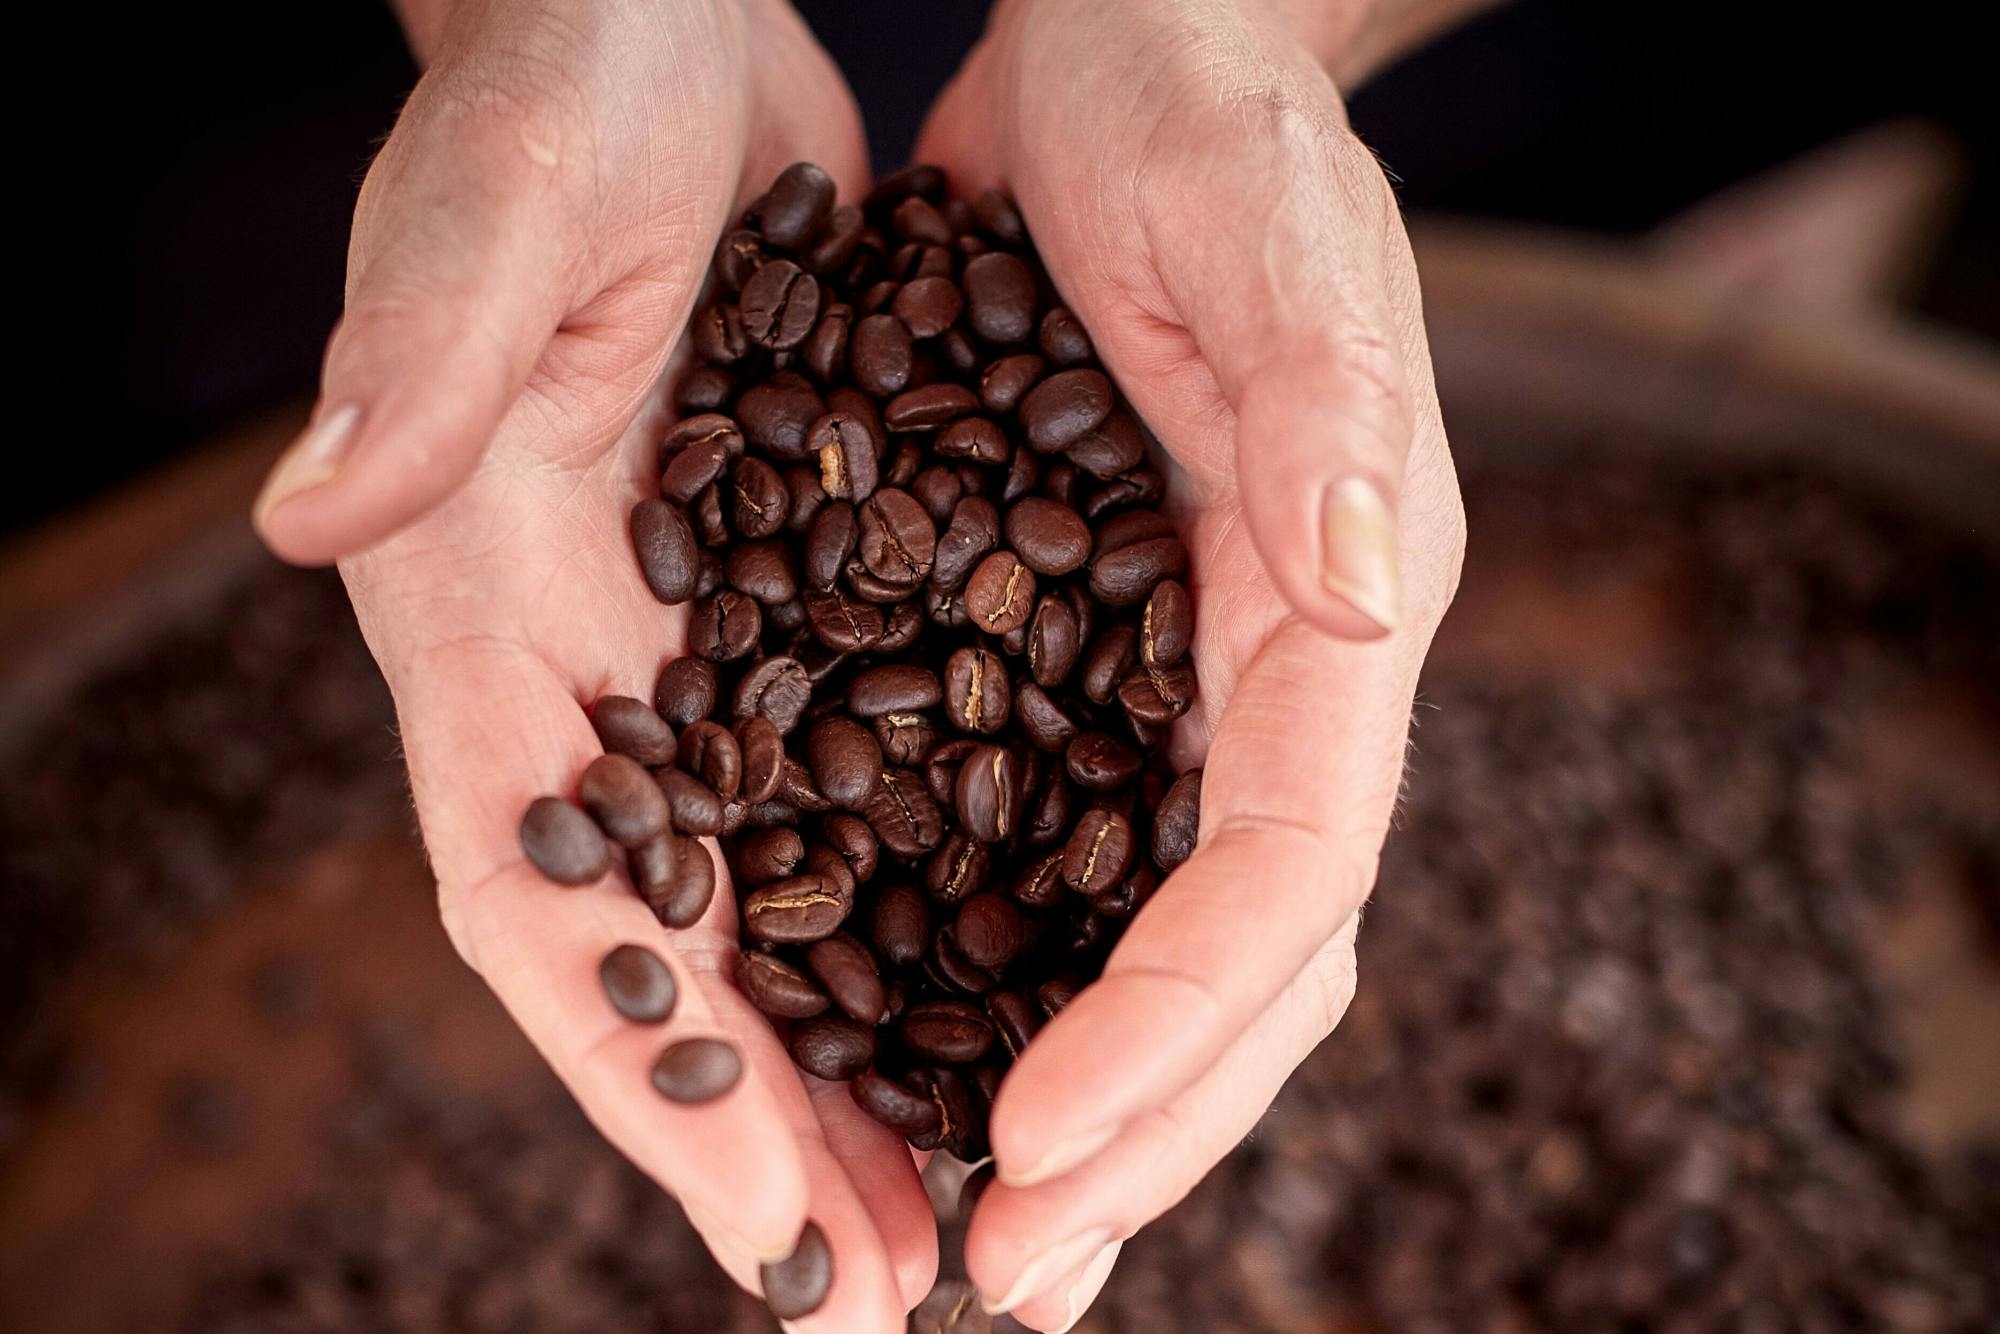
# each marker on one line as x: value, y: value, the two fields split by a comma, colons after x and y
x: 989, y: 930
x: 697, y: 1070
x: 1166, y: 626
x: 777, y: 988
x: 1109, y: 660
x: 955, y: 350
x: 710, y: 753
x: 928, y: 407
x: 705, y: 389
x: 1142, y: 485
x: 941, y: 768
x: 638, y: 984
x: 947, y: 967
x: 957, y: 1131
x: 988, y: 797
x: 906, y: 738
x: 928, y: 306
x: 1111, y: 449
x: 652, y: 866
x: 796, y: 1286
x: 904, y: 623
x: 1049, y: 538
x: 829, y: 546
x: 825, y: 352
x: 903, y: 814
x: 1121, y: 901
x: 776, y: 414
x: 1065, y: 407
x: 919, y: 179
x: 950, y: 1032
x: 917, y: 219
x: 1177, y: 821
x: 764, y: 570
x: 758, y: 501
x: 1063, y: 338
x: 975, y: 439
x: 1053, y: 642
x: 693, y: 469
x: 977, y: 697
x: 850, y: 836
x: 832, y: 1046
x: 717, y: 333
x: 973, y: 532
x: 959, y: 866
x: 904, y: 1110
x: 633, y: 727
x: 1137, y: 526
x: 879, y: 354
x: 900, y: 928
x: 1157, y: 696
x: 843, y: 623
x: 708, y: 574
x: 711, y: 527
x: 798, y: 205
x: 1000, y: 594
x: 780, y: 304
x: 776, y: 688
x: 1014, y: 1018
x: 1099, y: 762
x: 808, y: 498
x: 796, y: 788
x: 1053, y: 995
x: 999, y: 218
x: 1126, y: 577
x: 1099, y: 852
x: 694, y: 805
x: 564, y: 843
x: 737, y: 257
x: 897, y: 688
x: 624, y: 800
x: 794, y: 911
x: 1043, y: 719
x: 897, y: 540
x: 846, y: 761
x: 1041, y: 885
x: 706, y: 428
x: 837, y: 242
x: 724, y: 626
x: 1048, y: 812
x: 666, y: 548
x: 847, y: 970
x: 999, y: 297
x: 1004, y: 383
x: 770, y: 854
x: 846, y: 450
x: 938, y: 490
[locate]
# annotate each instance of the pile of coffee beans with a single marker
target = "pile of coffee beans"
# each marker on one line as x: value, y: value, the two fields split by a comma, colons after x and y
x: 938, y: 638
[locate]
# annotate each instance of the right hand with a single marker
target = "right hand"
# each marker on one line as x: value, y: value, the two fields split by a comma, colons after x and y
x: 527, y: 247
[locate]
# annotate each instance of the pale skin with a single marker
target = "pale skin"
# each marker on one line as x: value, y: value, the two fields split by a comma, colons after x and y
x: 527, y: 246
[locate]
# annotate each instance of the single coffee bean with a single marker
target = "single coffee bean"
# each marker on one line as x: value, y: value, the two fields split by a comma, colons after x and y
x: 1126, y: 577
x: 696, y: 808
x: 1063, y: 408
x: 763, y: 759
x: 844, y: 623
x: 846, y: 761
x: 904, y: 1110
x: 847, y: 970
x: 989, y: 794
x: 941, y: 768
x: 758, y: 501
x: 706, y: 428
x: 785, y: 619
x: 705, y: 389
x: 681, y: 901
x: 697, y: 1070
x: 901, y: 925
x: 637, y: 984
x: 808, y: 498
x: 794, y: 911
x: 776, y: 688
x: 1041, y: 884
x: 652, y: 866
x: 829, y: 545
x: 633, y: 727
x: 957, y: 1130
x: 977, y: 697
x: 1099, y: 762
x: 850, y: 836
x: 1062, y: 337
x: 837, y: 242
x: 667, y: 551
x: 917, y: 219
x: 798, y: 205
x: 897, y: 540
x: 1166, y: 626
x: 1054, y: 641
x: 976, y: 439
x: 974, y: 531
x: 999, y: 219
x: 999, y: 297
x: 624, y: 800
x: 896, y: 688
x: 1108, y: 661
x: 780, y: 304
x: 796, y: 788
x: 764, y: 570
x: 1123, y: 900
x: 846, y: 451
x: 1099, y: 852
x: 906, y: 738
x: 959, y: 867
x: 832, y: 1046
x: 563, y: 843
x: 1014, y: 1018
x: 1111, y: 449
x: 737, y: 257
x: 685, y: 692
x: 717, y: 333
x: 903, y: 623
x: 1157, y: 696
x: 1050, y: 539
x: 1177, y: 821
x: 1043, y: 719
x: 989, y: 930
x: 770, y: 854
x: 796, y: 1286
x: 724, y: 626
x: 1054, y: 994
x: 938, y: 489
x: 903, y: 815
x: 879, y: 354
x: 1004, y: 383
x: 709, y: 752
x: 693, y: 469
x: 920, y: 179
x: 776, y: 414
x: 711, y: 527
x: 825, y: 351
x: 927, y: 407
x: 1048, y: 818
x: 1143, y: 485
x: 928, y: 306
x: 777, y: 988
x: 956, y: 351
x: 950, y: 1032
x: 1000, y: 594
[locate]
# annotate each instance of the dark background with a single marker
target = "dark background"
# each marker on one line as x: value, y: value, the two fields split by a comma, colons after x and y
x: 200, y: 263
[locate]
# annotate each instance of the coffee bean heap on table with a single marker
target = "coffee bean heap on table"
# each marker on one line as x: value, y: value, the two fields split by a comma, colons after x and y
x: 938, y: 637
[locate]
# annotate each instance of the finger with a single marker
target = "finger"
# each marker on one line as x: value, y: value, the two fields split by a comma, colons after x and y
x: 1159, y: 1157
x: 1058, y: 1309
x: 889, y: 1184
x: 1278, y: 868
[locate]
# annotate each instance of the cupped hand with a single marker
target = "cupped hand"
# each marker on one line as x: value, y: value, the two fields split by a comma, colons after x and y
x: 1188, y: 175
x: 527, y: 248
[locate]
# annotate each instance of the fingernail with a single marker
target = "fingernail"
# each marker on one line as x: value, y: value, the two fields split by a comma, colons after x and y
x: 315, y: 456
x: 1089, y: 1281
x: 1360, y: 550
x: 1042, y: 1271
x: 1058, y: 1160
x: 721, y: 1234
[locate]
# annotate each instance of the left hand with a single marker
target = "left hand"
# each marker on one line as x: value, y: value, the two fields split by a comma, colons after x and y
x: 1189, y: 178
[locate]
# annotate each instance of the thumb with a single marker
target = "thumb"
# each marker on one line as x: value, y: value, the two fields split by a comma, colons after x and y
x: 460, y: 271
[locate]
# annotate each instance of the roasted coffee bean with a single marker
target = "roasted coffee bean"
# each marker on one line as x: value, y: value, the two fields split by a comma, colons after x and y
x: 765, y: 570
x: 681, y: 901
x: 794, y: 911
x: 1054, y: 994
x: 927, y: 306
x: 974, y: 438
x: 908, y: 1112
x: 897, y: 688
x: 1100, y: 762
x: 1050, y: 539
x: 776, y: 688
x: 1127, y: 576
x: 1108, y: 661
x: 1063, y: 408
x: 879, y: 354
x: 770, y: 854
x: 708, y: 751
x: 717, y: 333
x: 846, y: 451
x: 796, y: 1286
x: 1000, y: 594
x: 951, y: 1032
x: 903, y: 815
x: 724, y: 626
x: 697, y: 1070
x: 837, y: 242
x: 825, y: 351
x: 633, y: 727
x: 693, y: 470
x: 973, y: 532
x: 1041, y: 885
x: 844, y: 623
x: 988, y: 796
x: 918, y: 219
x: 797, y: 789
x: 638, y: 984
x: 829, y: 546
x: 624, y: 800
x: 958, y: 867
x: 1054, y: 642
x: 1166, y: 626
x: 798, y: 205
x: 920, y: 179
x: 999, y: 219
x: 876, y: 301
x: 758, y: 501
x: 999, y: 297
x: 696, y: 808
x: 850, y: 836
x: 956, y: 1133
x: 846, y: 761
x: 707, y: 428
x: 1014, y: 1018
x: 808, y: 498
x: 897, y: 540
x: 1157, y: 696
x: 1177, y: 821
x: 705, y: 389
x: 666, y: 547
x: 1048, y: 818
x: 906, y: 737
x: 1004, y: 383
x: 780, y: 304
x: 737, y: 257
x: 977, y: 697
x: 1123, y: 900
x: 847, y: 970
x: 927, y: 407
x: 564, y: 843
x: 938, y: 490
x: 900, y: 927
x: 705, y: 516
x: 777, y: 988
x: 989, y: 930
x: 832, y: 1046
x: 1111, y: 449
x: 1099, y: 852
x: 1045, y: 721
x: 1063, y: 339
x: 652, y: 866
x: 776, y: 414
x: 947, y: 967
x: 941, y: 768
